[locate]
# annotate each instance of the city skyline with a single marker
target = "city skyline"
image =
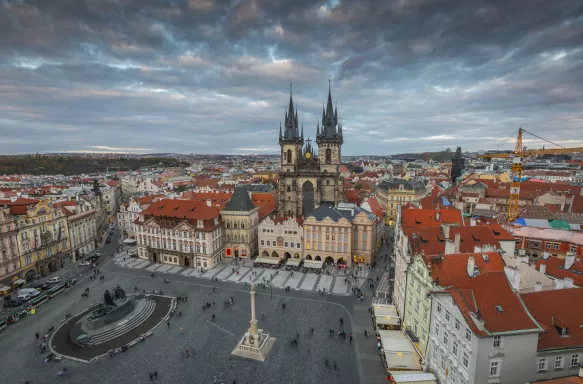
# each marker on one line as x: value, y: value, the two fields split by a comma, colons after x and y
x: 205, y: 76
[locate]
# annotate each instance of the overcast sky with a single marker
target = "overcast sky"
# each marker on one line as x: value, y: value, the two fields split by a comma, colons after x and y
x: 212, y: 76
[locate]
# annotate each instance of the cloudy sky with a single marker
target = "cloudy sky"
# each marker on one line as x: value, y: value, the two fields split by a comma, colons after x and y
x: 212, y: 76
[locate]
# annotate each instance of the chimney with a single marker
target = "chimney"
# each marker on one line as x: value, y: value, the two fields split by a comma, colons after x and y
x: 546, y: 255
x: 208, y: 203
x: 568, y: 282
x: 563, y: 203
x: 445, y: 228
x: 538, y: 287
x: 457, y: 242
x: 569, y: 260
x: 472, y: 223
x: 513, y: 276
x: 559, y: 284
x: 477, y: 249
x: 542, y: 268
x: 437, y: 215
x: 471, y: 266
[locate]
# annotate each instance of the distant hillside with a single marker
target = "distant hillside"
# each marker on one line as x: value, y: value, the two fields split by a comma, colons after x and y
x: 75, y: 165
x: 446, y: 155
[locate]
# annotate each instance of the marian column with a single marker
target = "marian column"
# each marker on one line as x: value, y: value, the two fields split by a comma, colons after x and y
x: 253, y: 322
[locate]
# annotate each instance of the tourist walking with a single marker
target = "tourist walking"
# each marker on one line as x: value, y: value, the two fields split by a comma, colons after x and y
x: 168, y: 324
x: 37, y: 335
x: 151, y: 376
x: 156, y: 375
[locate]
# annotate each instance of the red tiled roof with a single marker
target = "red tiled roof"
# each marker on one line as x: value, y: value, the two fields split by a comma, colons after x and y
x: 146, y: 199
x: 376, y: 208
x: 211, y: 183
x: 265, y: 201
x: 217, y: 199
x: 190, y: 210
x: 431, y: 240
x: 354, y: 196
x: 556, y: 267
x: 577, y: 204
x: 452, y: 270
x: 64, y: 204
x: 419, y: 218
x: 562, y: 380
x: 500, y: 233
x: 556, y: 309
x: 484, y: 293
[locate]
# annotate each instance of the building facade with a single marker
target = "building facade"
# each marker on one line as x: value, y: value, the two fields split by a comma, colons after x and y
x: 129, y: 213
x: 183, y: 233
x: 43, y: 238
x: 82, y: 228
x: 328, y: 236
x: 282, y: 238
x: 9, y: 253
x: 395, y: 193
x: 306, y: 179
x: 241, y: 219
x: 490, y: 340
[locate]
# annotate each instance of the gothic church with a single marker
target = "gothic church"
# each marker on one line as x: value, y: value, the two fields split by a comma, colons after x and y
x: 307, y: 178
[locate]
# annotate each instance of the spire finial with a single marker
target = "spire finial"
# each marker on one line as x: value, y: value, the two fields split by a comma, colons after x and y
x: 290, y: 87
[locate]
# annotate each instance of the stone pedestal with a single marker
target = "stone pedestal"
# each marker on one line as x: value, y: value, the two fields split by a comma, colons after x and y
x: 254, y: 344
x: 254, y: 347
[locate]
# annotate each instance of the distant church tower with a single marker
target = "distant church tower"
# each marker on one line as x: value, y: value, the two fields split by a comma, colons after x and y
x: 306, y: 180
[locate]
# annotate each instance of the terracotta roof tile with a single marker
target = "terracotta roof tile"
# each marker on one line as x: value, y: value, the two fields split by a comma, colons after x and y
x: 190, y: 210
x: 452, y: 270
x: 554, y: 310
x: 556, y: 267
x: 419, y: 218
x: 485, y: 293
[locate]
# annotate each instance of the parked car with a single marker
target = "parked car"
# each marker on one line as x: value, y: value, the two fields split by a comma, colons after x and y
x: 13, y: 303
x: 24, y: 297
x: 111, y: 233
x: 108, y: 240
x: 29, y: 291
x: 42, y: 287
x: 54, y: 280
x: 69, y: 283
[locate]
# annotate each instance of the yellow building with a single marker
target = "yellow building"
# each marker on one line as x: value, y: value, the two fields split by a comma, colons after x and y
x: 393, y: 193
x: 43, y: 240
x: 267, y: 175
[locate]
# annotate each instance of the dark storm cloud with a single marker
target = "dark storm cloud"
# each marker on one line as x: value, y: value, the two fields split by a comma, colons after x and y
x: 201, y: 75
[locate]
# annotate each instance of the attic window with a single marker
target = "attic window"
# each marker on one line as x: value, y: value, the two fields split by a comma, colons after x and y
x: 476, y: 239
x: 161, y: 206
x: 497, y: 233
x: 499, y: 309
x: 485, y: 257
x: 440, y: 237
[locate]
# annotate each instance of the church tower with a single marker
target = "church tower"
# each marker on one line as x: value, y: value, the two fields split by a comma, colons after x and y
x: 307, y: 178
x: 329, y: 140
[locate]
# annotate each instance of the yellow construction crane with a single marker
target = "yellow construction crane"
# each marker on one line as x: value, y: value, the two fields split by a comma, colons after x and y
x: 517, y: 157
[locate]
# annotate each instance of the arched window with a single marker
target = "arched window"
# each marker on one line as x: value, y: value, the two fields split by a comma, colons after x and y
x: 289, y: 156
x: 328, y: 155
x: 242, y: 225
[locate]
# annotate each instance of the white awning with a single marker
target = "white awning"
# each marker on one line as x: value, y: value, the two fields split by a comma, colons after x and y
x: 293, y: 262
x: 19, y: 281
x: 130, y: 241
x: 268, y: 260
x: 399, y: 352
x: 5, y: 288
x: 413, y: 377
x: 386, y: 314
x: 316, y: 264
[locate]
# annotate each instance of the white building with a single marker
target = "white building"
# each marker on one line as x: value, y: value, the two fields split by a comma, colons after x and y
x: 185, y: 233
x: 81, y: 218
x: 281, y: 237
x: 482, y: 333
x: 128, y: 214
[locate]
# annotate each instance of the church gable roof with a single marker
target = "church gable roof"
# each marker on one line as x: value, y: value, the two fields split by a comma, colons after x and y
x: 240, y: 201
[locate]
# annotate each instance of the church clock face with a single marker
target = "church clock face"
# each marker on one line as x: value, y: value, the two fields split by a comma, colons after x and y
x: 308, y: 155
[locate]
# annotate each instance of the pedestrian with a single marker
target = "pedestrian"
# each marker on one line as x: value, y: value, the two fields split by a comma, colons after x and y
x: 351, y: 337
x: 37, y: 335
x: 156, y: 375
x: 151, y: 376
x: 326, y: 362
x: 168, y: 324
x: 297, y: 335
x: 187, y: 353
x: 181, y: 330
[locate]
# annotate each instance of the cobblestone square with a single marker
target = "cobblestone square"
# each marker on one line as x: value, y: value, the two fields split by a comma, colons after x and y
x: 209, y: 343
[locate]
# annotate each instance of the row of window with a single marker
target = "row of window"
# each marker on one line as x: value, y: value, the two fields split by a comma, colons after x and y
x: 339, y: 248
x: 169, y: 232
x: 330, y: 229
x: 559, y: 362
x: 285, y: 244
x: 456, y: 323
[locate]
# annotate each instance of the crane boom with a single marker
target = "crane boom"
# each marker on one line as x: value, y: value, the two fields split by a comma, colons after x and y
x: 516, y: 171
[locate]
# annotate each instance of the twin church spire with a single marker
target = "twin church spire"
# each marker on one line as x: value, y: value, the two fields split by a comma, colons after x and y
x: 331, y: 129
